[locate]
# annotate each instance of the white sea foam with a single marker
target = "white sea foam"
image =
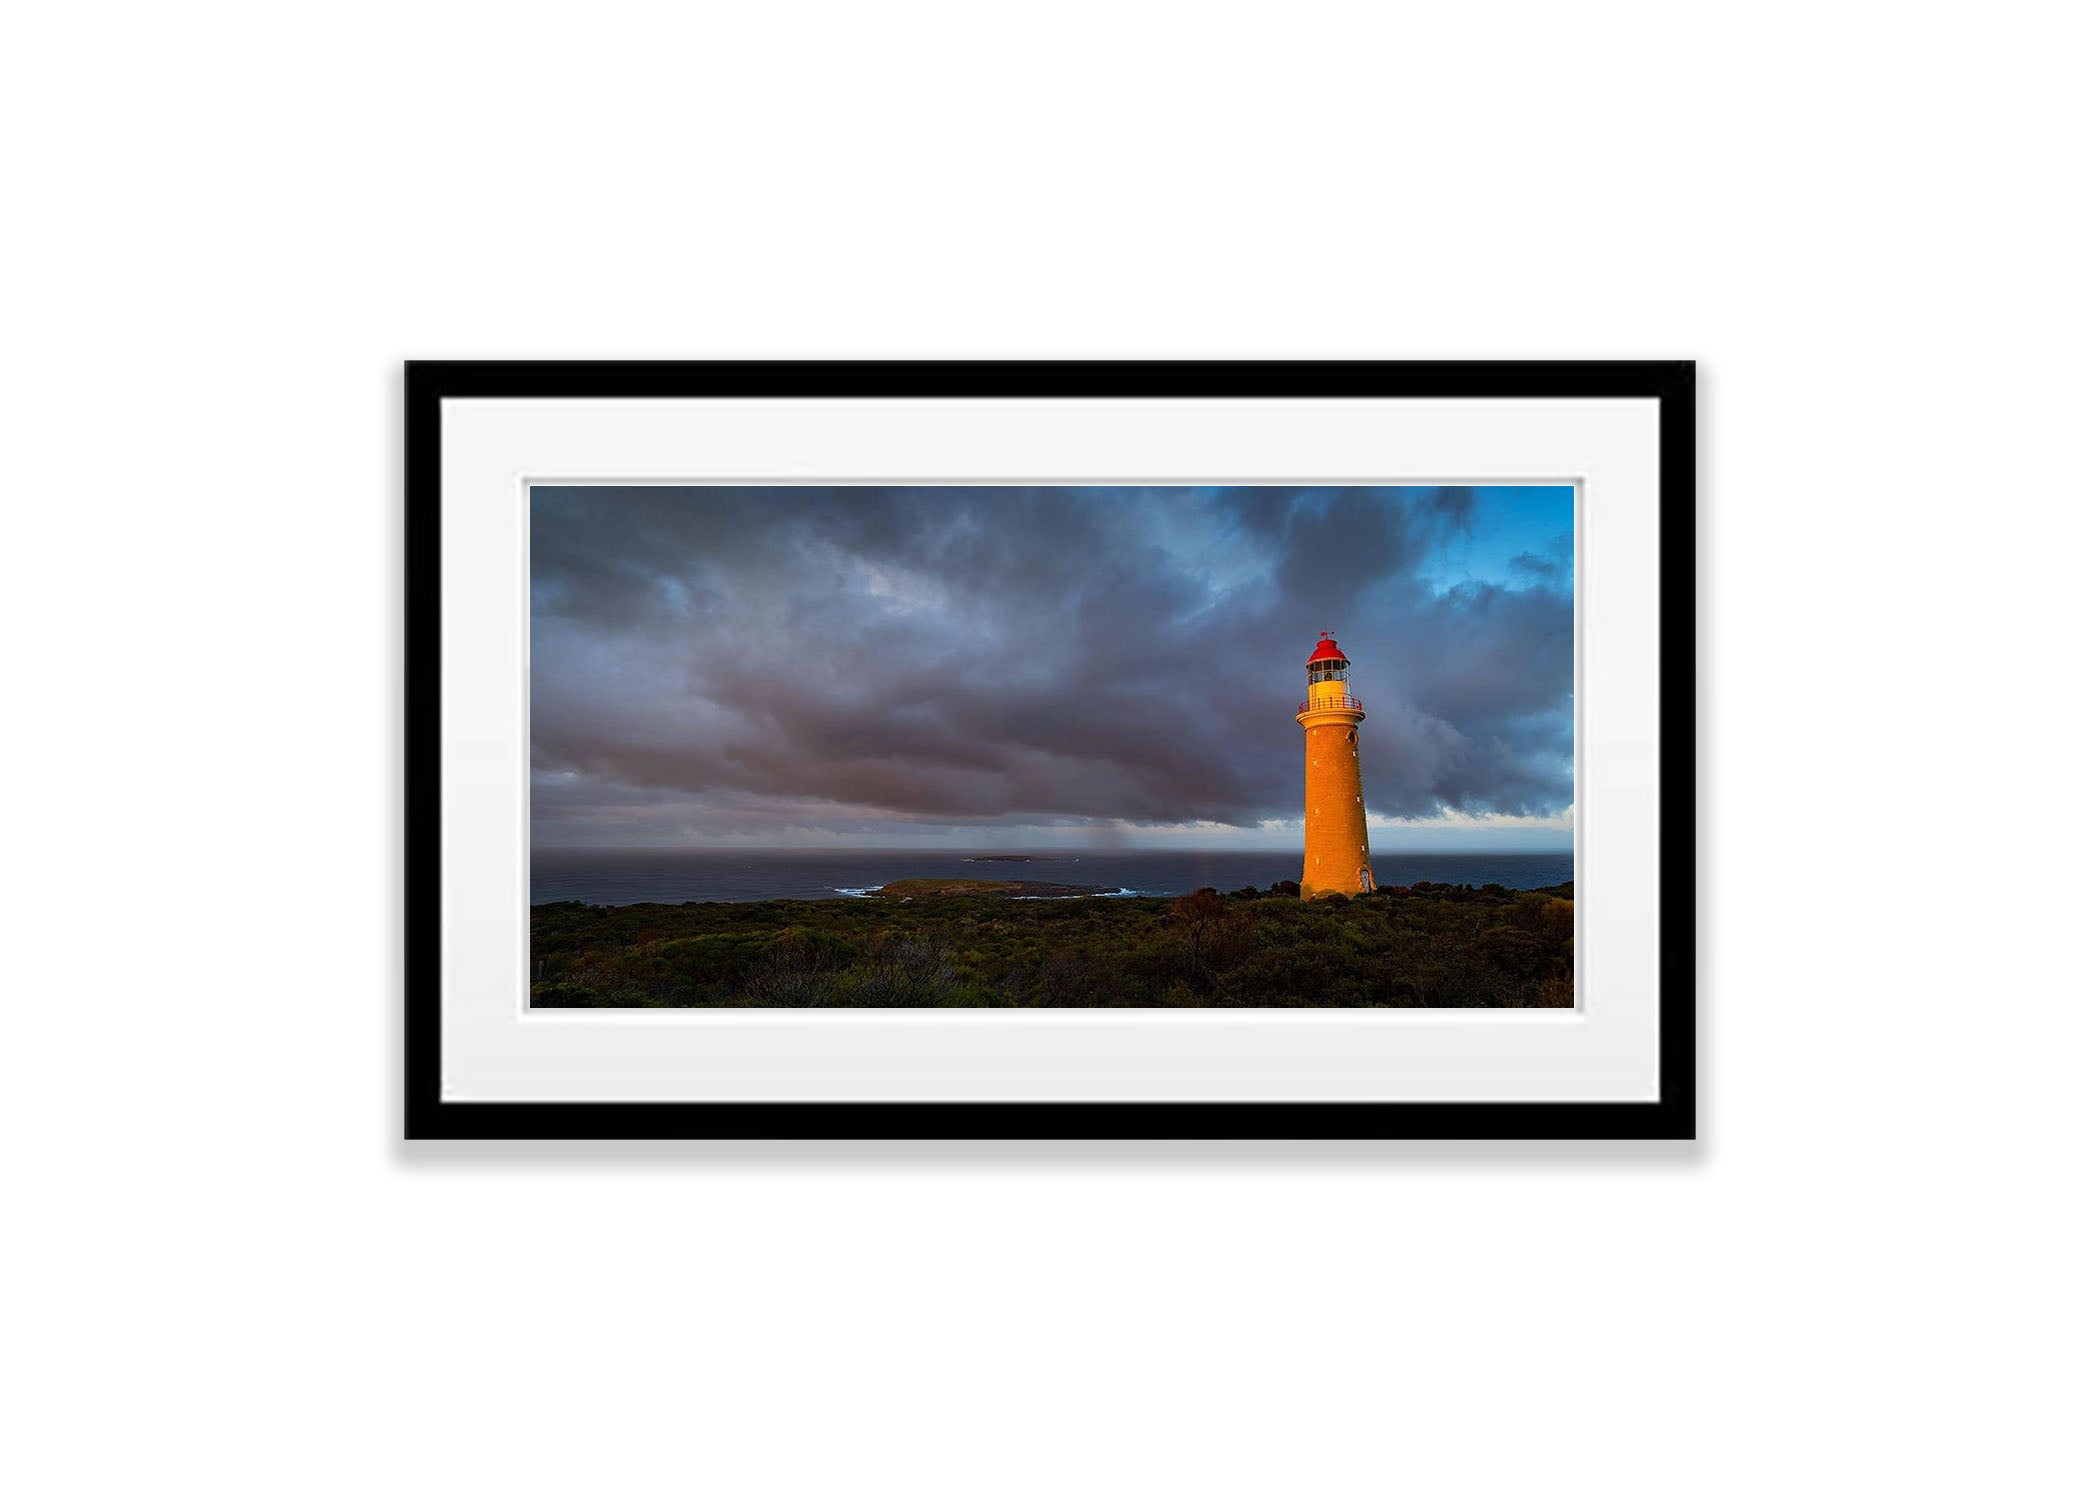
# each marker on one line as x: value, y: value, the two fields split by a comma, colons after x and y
x: 856, y: 890
x: 1083, y: 895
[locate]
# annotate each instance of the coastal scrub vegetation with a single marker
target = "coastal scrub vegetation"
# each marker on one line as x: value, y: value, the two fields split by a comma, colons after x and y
x: 1426, y: 945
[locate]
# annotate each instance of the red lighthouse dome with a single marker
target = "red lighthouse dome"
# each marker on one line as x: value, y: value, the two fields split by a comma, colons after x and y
x: 1326, y: 650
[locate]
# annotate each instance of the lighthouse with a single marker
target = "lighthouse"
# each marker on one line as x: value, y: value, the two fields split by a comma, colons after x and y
x: 1337, y: 841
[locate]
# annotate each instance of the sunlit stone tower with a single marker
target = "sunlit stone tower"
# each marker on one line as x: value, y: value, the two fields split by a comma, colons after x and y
x: 1337, y: 842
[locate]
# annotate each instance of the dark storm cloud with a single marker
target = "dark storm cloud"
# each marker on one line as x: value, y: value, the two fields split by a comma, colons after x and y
x: 766, y: 659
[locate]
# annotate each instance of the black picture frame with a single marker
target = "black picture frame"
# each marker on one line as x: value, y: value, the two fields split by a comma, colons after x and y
x: 430, y: 383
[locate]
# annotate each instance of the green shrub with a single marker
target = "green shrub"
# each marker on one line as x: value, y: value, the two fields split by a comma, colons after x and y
x: 1425, y: 945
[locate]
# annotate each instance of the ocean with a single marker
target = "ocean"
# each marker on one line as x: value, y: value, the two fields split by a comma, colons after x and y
x: 622, y: 877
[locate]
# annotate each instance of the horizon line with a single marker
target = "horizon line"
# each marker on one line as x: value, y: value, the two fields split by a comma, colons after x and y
x: 975, y: 849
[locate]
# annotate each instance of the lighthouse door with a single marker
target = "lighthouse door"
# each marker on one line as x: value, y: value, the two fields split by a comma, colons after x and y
x: 1363, y: 878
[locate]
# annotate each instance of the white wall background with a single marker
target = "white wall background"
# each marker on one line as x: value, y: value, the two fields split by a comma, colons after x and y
x: 227, y: 224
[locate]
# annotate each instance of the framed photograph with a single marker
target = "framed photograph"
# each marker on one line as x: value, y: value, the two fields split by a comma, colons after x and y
x: 1139, y: 750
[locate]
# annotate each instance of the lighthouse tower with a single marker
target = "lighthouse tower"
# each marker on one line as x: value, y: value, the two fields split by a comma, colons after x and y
x: 1337, y: 842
